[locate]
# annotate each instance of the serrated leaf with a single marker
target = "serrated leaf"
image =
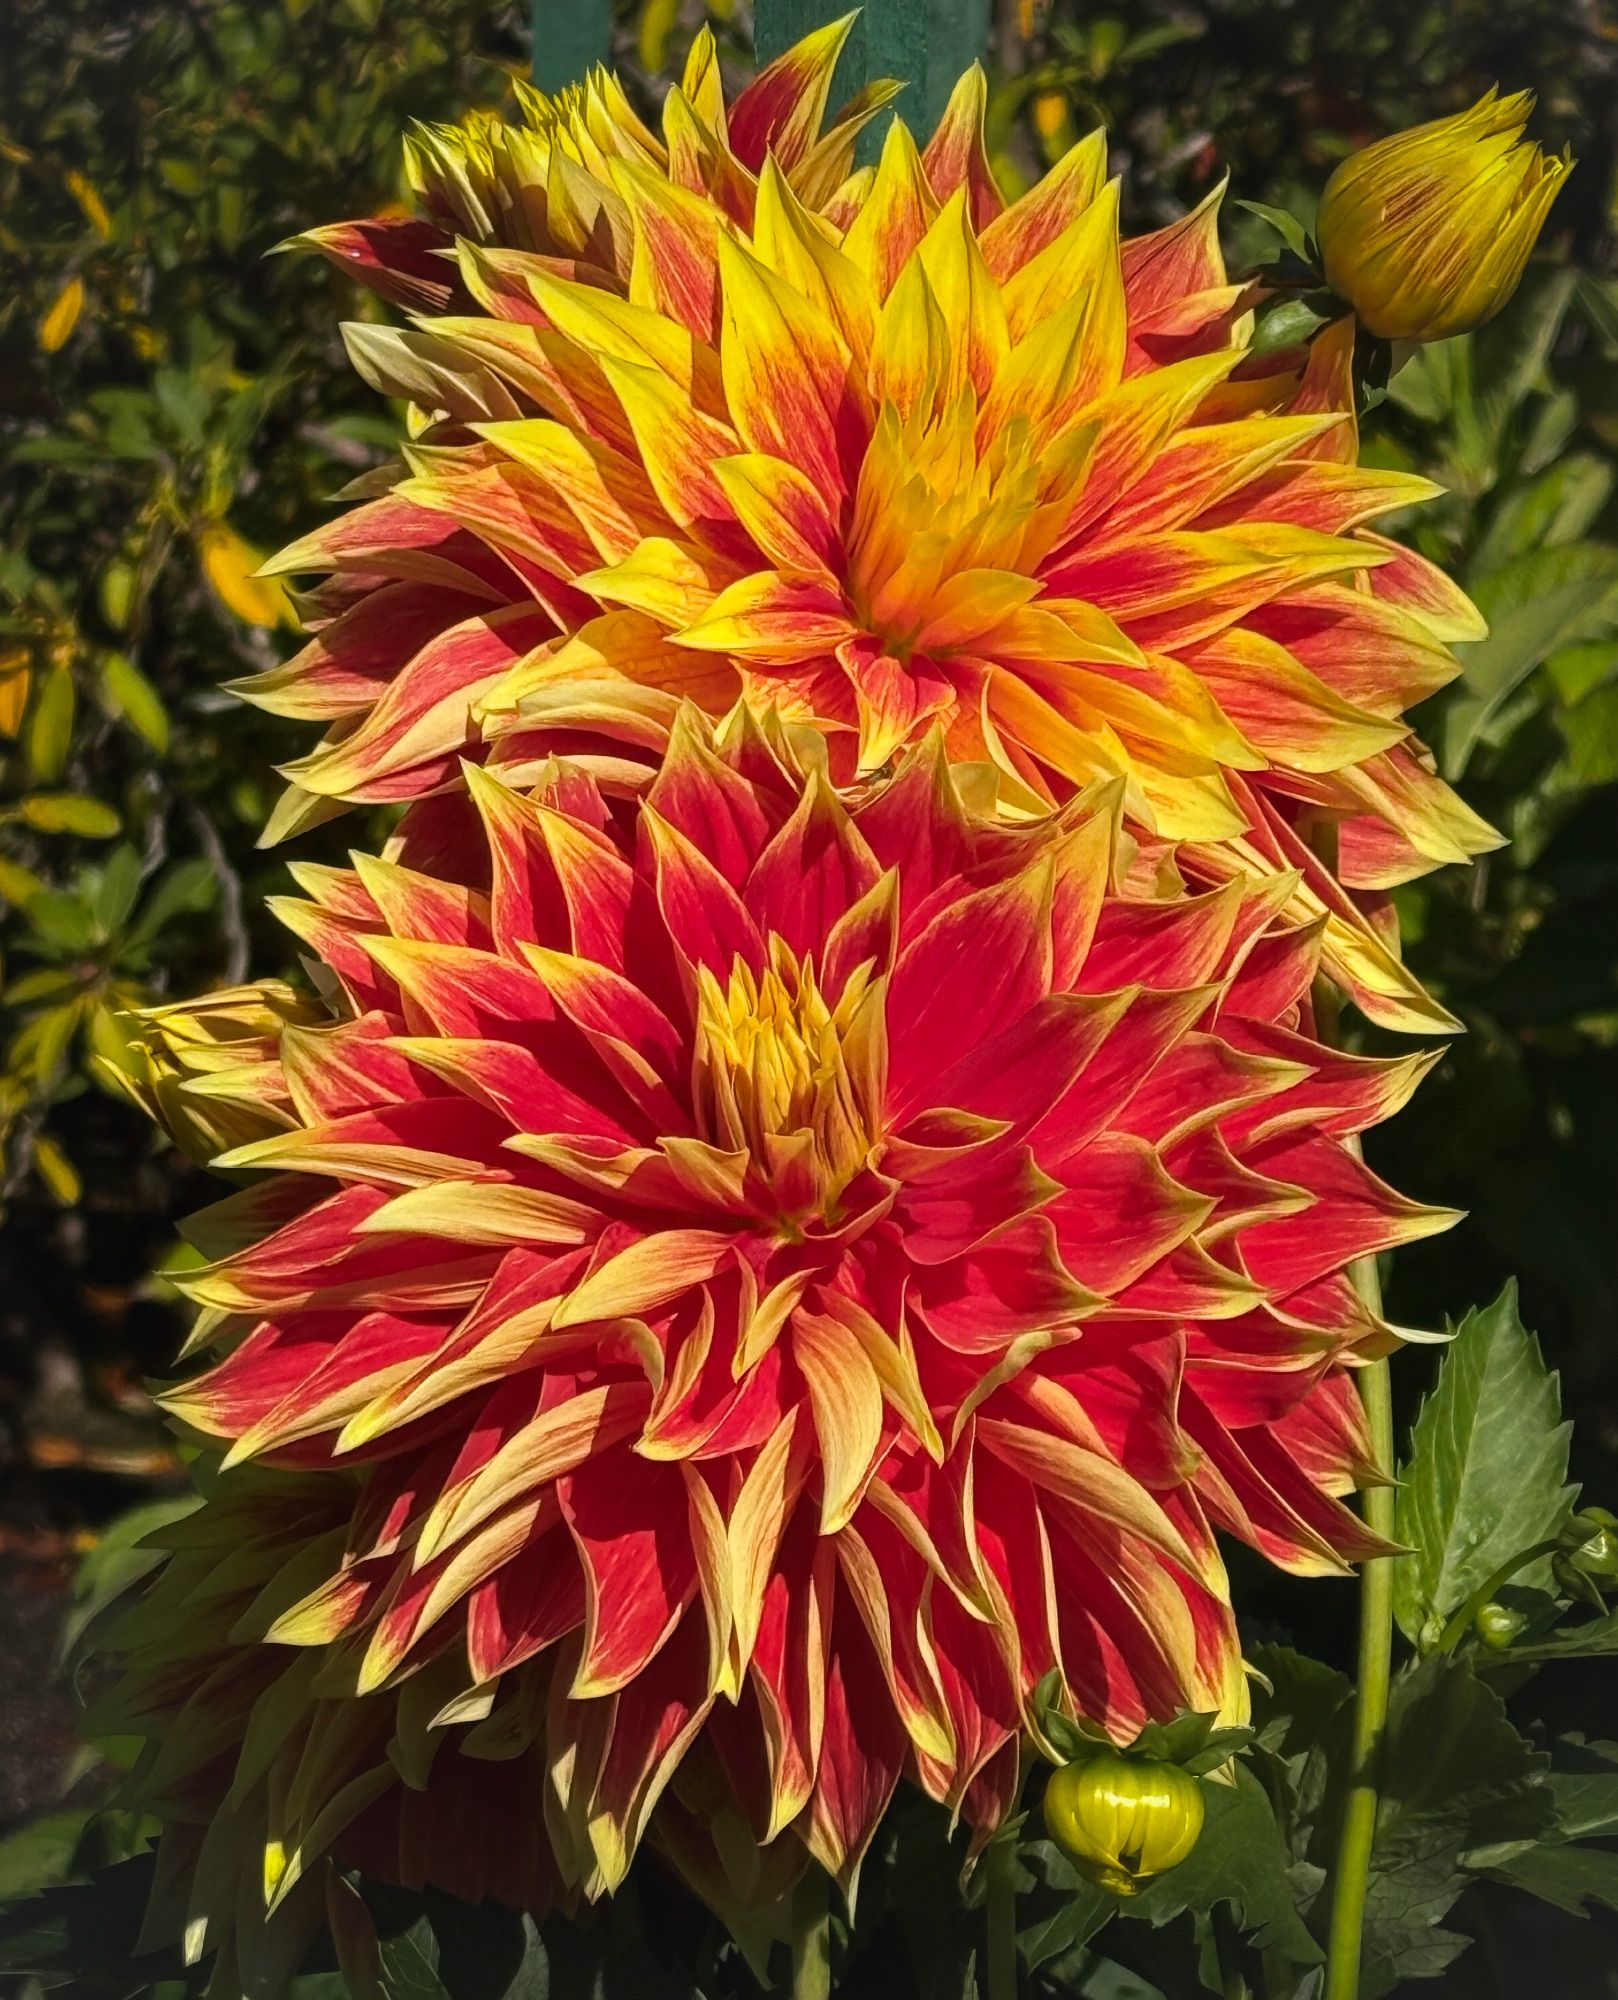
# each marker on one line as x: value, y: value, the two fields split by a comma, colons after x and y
x: 1070, y: 1910
x: 1240, y: 1859
x: 1584, y: 1783
x: 1456, y: 1776
x: 1487, y: 1469
x: 1570, y: 1877
x: 410, y: 1964
x: 38, y: 1856
x: 1590, y: 1640
x: 118, y: 1562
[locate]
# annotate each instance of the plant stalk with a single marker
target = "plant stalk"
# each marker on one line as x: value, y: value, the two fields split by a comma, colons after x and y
x: 1001, y: 1913
x: 1351, y: 1873
x: 811, y: 1936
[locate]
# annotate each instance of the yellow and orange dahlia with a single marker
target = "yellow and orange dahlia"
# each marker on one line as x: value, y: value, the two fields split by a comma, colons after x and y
x: 775, y: 1274
x: 884, y: 454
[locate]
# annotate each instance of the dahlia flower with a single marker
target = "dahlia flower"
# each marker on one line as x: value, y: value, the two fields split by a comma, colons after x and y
x: 196, y: 1067
x: 1426, y: 233
x: 777, y: 1274
x: 884, y: 454
x: 553, y: 185
x: 239, y: 1744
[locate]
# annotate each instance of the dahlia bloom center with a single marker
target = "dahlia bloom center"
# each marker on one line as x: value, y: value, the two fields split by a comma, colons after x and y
x: 932, y: 513
x: 780, y: 1075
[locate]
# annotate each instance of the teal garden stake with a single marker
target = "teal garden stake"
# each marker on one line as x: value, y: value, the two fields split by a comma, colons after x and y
x: 924, y: 43
x: 570, y: 35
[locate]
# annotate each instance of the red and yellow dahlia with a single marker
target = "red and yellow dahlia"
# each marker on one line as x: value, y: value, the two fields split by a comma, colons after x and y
x: 776, y: 1275
x: 552, y: 185
x: 889, y: 454
x: 240, y: 1746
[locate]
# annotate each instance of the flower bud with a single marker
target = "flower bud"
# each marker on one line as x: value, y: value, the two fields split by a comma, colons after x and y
x: 208, y: 1070
x: 1590, y: 1541
x: 1121, y: 1820
x: 1426, y: 233
x: 1497, y: 1624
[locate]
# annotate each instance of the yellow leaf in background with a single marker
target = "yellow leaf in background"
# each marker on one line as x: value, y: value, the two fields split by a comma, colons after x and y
x: 70, y: 812
x: 95, y: 209
x: 56, y: 328
x: 135, y: 698
x: 229, y: 563
x: 15, y: 679
x: 1050, y: 113
x: 656, y: 25
x: 118, y: 582
x: 18, y: 886
x: 56, y: 1170
x: 50, y: 727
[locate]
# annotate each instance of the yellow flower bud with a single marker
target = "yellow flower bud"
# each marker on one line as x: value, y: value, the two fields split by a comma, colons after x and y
x: 208, y: 1070
x: 1426, y: 233
x: 1121, y: 1820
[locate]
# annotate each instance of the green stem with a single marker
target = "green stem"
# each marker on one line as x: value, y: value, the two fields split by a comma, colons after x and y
x: 811, y: 1937
x: 1001, y: 1910
x: 1452, y: 1633
x: 1352, y: 1870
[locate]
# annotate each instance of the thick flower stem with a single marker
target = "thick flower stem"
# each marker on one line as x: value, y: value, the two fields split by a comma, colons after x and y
x: 1001, y: 1913
x: 811, y: 1937
x: 1352, y: 1872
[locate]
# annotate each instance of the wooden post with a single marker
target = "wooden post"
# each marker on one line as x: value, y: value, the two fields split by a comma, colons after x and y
x: 570, y: 36
x: 926, y: 43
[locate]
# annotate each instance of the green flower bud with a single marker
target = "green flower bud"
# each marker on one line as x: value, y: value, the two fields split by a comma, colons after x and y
x: 1120, y: 1820
x: 1590, y: 1541
x: 1497, y: 1624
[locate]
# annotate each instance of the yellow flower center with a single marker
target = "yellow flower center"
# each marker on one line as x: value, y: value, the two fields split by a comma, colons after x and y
x: 788, y: 1078
x: 934, y: 504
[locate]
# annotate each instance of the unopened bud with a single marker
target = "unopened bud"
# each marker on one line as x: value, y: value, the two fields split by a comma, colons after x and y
x: 1121, y: 1820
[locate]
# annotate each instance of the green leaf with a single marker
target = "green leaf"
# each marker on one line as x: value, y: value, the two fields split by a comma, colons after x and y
x: 118, y: 1562
x: 1303, y: 1724
x: 410, y: 1964
x: 62, y: 919
x: 532, y: 1979
x: 38, y: 1856
x: 1570, y: 1877
x: 1241, y: 1859
x: 1286, y: 225
x: 1457, y: 1776
x: 1511, y: 351
x: 50, y: 728
x: 68, y: 812
x: 1584, y: 1783
x: 1486, y: 1474
x: 129, y: 691
x: 1595, y: 1637
x: 183, y: 890
x: 1288, y: 324
x: 1536, y: 604
x: 481, y: 1948
x: 1080, y: 1908
x: 116, y: 889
